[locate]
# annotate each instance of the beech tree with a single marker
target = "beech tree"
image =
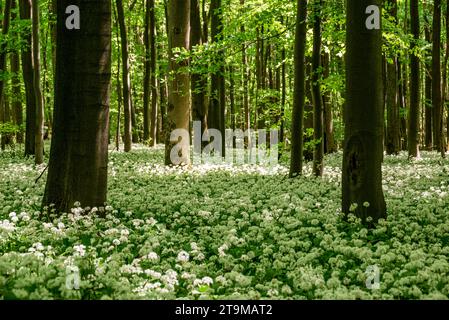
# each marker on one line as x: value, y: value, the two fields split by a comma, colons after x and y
x: 363, y: 146
x: 413, y: 136
x: 126, y: 81
x: 78, y: 163
x: 178, y: 88
x: 39, y: 134
x: 299, y: 90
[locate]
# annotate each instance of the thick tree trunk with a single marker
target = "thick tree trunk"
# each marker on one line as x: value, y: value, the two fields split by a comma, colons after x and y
x: 178, y: 153
x: 127, y: 104
x: 436, y: 78
x: 27, y: 70
x: 79, y: 152
x: 362, y: 159
x: 413, y: 130
x: 299, y: 91
x: 39, y: 135
x: 318, y: 131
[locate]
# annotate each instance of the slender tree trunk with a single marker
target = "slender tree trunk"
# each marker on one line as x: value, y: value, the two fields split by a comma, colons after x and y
x: 246, y: 111
x: 118, y: 87
x: 5, y: 30
x: 27, y: 70
x: 39, y: 135
x: 127, y: 104
x: 445, y: 95
x: 362, y: 159
x: 178, y: 153
x: 299, y: 91
x: 147, y: 72
x: 428, y: 92
x: 329, y: 139
x: 79, y: 152
x: 413, y: 131
x: 16, y: 93
x: 436, y: 78
x: 232, y: 102
x: 393, y: 138
x: 153, y: 80
x: 197, y: 81
x: 318, y: 154
x: 216, y: 115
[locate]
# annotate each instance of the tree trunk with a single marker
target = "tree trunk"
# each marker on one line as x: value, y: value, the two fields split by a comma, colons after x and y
x: 153, y: 80
x: 299, y: 91
x: 149, y: 6
x: 197, y: 81
x: 127, y: 105
x: 16, y: 93
x: 79, y: 152
x: 362, y: 159
x: 246, y: 111
x: 27, y: 71
x: 178, y: 153
x: 445, y: 96
x: 329, y: 140
x: 436, y: 78
x: 393, y: 138
x: 39, y: 135
x: 118, y: 87
x: 3, y: 47
x: 318, y: 131
x: 216, y: 115
x: 413, y: 132
x: 428, y: 94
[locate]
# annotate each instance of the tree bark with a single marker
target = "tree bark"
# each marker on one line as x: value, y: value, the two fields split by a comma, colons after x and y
x: 16, y: 94
x: 428, y: 94
x: 149, y: 5
x: 329, y: 139
x: 393, y: 139
x: 362, y: 158
x: 436, y: 79
x: 178, y: 88
x: 126, y: 82
x: 318, y: 131
x: 27, y: 71
x: 3, y: 104
x: 197, y: 81
x: 413, y: 131
x: 39, y: 135
x: 299, y: 90
x: 79, y: 152
x: 216, y: 114
x: 153, y: 80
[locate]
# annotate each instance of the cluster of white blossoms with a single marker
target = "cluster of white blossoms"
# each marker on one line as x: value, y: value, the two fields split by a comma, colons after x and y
x: 183, y: 256
x: 7, y: 226
x: 152, y: 256
x: 204, y: 281
x: 79, y: 250
x: 222, y: 249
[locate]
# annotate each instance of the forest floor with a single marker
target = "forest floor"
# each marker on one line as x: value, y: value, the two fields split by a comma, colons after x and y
x: 224, y: 232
